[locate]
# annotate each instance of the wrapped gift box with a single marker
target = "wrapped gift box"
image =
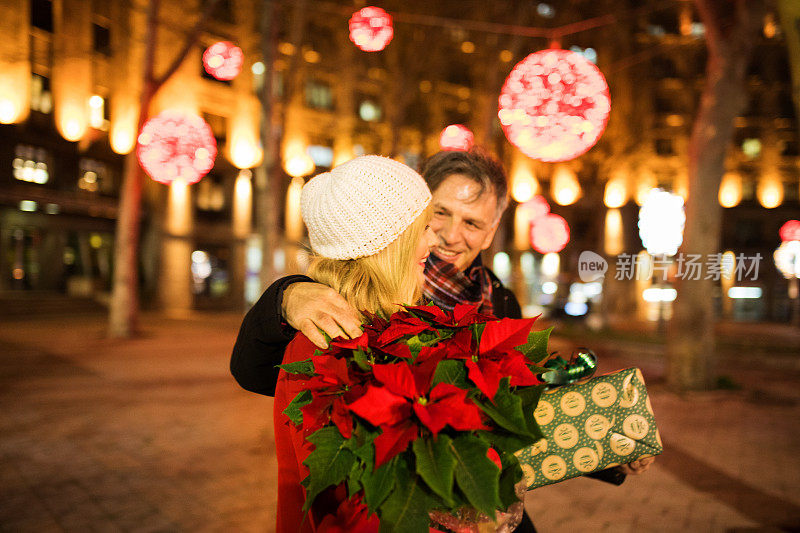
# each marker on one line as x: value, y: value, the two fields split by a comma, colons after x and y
x: 590, y: 426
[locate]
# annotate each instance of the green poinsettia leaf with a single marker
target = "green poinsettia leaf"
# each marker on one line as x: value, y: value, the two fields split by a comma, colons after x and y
x: 477, y: 331
x: 406, y: 509
x: 536, y: 347
x: 506, y: 410
x: 414, y: 345
x: 507, y: 443
x: 436, y: 465
x: 354, y: 478
x: 530, y: 396
x: 476, y: 475
x: 378, y: 484
x: 305, y: 366
x: 451, y: 371
x: 530, y: 399
x: 361, y: 359
x: 509, y: 477
x: 328, y: 464
x: 293, y: 409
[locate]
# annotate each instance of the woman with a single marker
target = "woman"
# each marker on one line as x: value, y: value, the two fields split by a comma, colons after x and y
x: 367, y: 223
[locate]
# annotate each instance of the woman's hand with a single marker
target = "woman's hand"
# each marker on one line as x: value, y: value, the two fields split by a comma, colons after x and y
x: 314, y: 308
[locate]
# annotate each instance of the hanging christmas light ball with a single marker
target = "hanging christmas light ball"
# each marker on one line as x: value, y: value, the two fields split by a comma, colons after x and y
x: 554, y: 105
x: 223, y: 60
x: 790, y: 231
x: 173, y: 146
x: 549, y: 233
x: 536, y: 207
x: 371, y: 29
x: 456, y: 137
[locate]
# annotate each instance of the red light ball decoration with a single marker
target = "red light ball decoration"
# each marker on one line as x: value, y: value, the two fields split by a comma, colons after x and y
x: 554, y: 105
x: 174, y: 146
x: 549, y: 233
x: 790, y: 231
x: 456, y: 137
x: 223, y: 60
x: 371, y: 29
x: 536, y: 207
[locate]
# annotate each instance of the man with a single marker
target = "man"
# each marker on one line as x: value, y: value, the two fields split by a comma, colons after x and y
x: 470, y: 193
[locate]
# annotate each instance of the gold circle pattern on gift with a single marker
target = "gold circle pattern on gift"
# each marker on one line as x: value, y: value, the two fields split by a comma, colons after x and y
x: 591, y: 425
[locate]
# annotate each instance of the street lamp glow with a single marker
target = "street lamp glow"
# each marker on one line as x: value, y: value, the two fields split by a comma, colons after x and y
x: 661, y: 222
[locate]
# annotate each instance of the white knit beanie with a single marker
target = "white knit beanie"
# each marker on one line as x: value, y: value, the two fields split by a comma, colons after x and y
x: 360, y: 207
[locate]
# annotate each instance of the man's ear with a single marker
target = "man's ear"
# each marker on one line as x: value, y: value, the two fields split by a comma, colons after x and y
x: 490, y: 235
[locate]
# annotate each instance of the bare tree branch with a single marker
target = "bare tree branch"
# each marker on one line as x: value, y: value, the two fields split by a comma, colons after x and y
x: 191, y: 40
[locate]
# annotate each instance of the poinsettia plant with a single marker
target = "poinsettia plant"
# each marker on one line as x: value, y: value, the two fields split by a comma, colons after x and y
x: 422, y: 412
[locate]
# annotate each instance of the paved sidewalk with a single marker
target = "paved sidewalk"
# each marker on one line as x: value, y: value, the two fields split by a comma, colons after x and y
x: 154, y: 435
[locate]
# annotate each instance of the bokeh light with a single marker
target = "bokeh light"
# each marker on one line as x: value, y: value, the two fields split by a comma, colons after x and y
x: 456, y: 137
x: 371, y: 29
x: 549, y: 233
x: 554, y: 105
x: 223, y: 60
x: 173, y: 146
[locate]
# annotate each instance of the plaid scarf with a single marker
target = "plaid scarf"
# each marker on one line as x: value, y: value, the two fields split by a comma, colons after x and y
x: 446, y: 286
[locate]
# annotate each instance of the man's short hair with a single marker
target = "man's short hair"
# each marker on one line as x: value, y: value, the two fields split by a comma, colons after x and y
x: 476, y: 164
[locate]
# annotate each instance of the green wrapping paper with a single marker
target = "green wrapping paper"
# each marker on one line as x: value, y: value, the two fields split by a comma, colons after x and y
x: 590, y: 426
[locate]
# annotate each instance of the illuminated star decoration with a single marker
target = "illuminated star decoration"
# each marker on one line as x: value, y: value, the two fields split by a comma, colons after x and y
x: 223, y: 60
x: 174, y: 146
x: 371, y: 29
x: 456, y: 137
x: 554, y: 105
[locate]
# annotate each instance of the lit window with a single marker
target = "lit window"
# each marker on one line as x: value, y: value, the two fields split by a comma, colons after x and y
x: 546, y: 10
x: 97, y: 112
x: 319, y: 95
x: 31, y: 164
x: 210, y: 194
x: 41, y: 97
x: 751, y: 148
x: 369, y: 111
x: 94, y: 176
x: 322, y: 156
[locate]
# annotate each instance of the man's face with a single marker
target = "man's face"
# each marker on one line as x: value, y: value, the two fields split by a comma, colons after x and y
x: 464, y: 222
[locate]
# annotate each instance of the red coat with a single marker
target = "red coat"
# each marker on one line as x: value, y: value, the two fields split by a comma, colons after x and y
x: 290, y: 445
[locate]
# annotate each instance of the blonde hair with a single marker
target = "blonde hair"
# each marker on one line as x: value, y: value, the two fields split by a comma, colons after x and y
x: 377, y: 283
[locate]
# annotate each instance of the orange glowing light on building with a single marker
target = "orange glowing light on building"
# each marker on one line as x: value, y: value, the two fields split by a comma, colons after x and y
x: 730, y: 190
x: 616, y: 192
x: 244, y: 148
x: 770, y: 192
x: 554, y: 105
x: 564, y: 187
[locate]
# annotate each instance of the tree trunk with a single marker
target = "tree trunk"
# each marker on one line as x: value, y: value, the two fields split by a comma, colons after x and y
x: 790, y: 21
x: 124, y: 306
x: 730, y: 35
x: 269, y: 174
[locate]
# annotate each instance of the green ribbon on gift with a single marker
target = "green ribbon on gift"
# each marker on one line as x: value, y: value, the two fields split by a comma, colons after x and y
x: 582, y: 365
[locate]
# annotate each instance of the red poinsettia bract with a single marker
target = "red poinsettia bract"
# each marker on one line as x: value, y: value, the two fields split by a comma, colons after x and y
x: 405, y: 389
x: 352, y: 516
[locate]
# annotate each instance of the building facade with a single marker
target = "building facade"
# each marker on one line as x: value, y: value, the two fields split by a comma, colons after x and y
x: 72, y: 74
